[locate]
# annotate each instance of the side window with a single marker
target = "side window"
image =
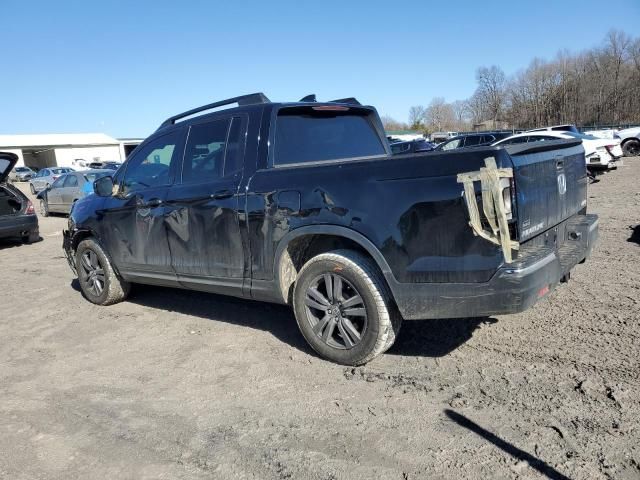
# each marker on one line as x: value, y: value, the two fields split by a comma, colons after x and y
x: 453, y: 144
x: 151, y: 165
x: 205, y: 151
x: 235, y: 146
x: 71, y: 181
x: 472, y: 140
x: 316, y: 134
x: 59, y: 182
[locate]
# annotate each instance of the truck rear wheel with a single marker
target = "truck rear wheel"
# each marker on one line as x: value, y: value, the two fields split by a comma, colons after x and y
x: 98, y: 280
x: 344, y: 309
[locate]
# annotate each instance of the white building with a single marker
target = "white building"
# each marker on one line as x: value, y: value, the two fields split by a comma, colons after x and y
x: 67, y: 149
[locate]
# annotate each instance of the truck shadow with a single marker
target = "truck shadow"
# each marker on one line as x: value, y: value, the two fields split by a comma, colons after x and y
x: 635, y: 235
x: 436, y: 338
x: 426, y: 338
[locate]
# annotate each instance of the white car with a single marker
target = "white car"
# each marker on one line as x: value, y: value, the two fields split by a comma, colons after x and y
x: 600, y: 153
x: 630, y: 138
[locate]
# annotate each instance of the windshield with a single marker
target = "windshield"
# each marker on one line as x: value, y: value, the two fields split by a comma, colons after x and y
x: 92, y: 177
x: 58, y: 171
x: 582, y: 136
x: 22, y: 169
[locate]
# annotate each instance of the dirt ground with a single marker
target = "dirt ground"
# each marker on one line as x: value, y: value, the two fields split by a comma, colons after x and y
x: 175, y: 384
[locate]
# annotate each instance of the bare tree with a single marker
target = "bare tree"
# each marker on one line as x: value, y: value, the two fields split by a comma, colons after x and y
x: 439, y: 115
x: 389, y: 123
x: 491, y: 90
x: 417, y: 117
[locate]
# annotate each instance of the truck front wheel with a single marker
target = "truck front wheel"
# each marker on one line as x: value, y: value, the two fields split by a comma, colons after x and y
x: 98, y: 281
x: 343, y: 307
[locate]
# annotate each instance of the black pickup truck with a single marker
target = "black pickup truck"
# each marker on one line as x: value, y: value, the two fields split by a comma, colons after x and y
x: 303, y: 203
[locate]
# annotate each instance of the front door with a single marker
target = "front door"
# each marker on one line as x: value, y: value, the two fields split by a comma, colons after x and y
x: 54, y: 195
x: 202, y: 218
x: 133, y: 226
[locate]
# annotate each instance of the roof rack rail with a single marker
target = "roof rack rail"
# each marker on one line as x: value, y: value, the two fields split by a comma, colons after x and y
x: 252, y: 98
x: 349, y: 100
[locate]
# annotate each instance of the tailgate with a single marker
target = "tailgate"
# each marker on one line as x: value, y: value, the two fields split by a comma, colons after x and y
x: 550, y: 182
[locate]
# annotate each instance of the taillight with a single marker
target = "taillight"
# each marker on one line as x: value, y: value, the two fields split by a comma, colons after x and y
x: 506, y: 184
x: 30, y: 210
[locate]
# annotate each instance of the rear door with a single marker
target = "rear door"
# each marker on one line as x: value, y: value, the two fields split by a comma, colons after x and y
x: 54, y: 194
x: 70, y: 191
x: 550, y: 182
x: 202, y: 207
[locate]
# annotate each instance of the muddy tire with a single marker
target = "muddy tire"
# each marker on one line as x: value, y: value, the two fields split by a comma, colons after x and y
x: 33, y: 237
x: 98, y: 281
x: 343, y: 307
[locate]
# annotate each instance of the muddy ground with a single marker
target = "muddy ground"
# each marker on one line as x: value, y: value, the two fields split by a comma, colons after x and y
x: 175, y: 384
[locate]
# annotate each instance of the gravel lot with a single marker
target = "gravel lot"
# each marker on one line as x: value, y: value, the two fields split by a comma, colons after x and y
x: 175, y: 384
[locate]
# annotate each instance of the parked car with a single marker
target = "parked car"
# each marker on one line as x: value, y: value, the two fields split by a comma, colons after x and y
x: 21, y: 174
x: 109, y: 165
x: 630, y: 141
x: 67, y: 189
x: 471, y: 140
x: 303, y: 204
x: 600, y: 153
x: 45, y: 178
x: 556, y: 128
x: 412, y: 146
x: 17, y: 215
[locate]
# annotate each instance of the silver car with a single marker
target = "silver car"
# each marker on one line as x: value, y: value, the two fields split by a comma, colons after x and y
x: 21, y: 174
x: 45, y: 178
x: 68, y: 188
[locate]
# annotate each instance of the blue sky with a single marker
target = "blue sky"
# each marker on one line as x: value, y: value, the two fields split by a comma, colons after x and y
x: 121, y: 67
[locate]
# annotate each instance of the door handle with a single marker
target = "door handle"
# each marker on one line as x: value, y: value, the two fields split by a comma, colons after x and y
x: 222, y: 194
x: 151, y: 203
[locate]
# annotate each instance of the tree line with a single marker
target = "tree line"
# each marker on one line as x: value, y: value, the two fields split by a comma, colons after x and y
x: 600, y: 86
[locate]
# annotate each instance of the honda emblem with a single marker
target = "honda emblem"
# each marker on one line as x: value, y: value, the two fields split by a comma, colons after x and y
x: 562, y: 184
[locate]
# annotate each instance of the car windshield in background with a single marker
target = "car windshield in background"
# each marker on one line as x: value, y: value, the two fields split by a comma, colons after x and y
x: 92, y: 177
x: 582, y: 136
x: 58, y: 171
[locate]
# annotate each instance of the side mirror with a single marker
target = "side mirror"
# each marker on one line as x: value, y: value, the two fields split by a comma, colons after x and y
x: 103, y: 186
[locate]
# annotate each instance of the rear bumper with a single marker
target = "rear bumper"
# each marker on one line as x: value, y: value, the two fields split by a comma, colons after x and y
x: 512, y: 289
x: 18, y: 225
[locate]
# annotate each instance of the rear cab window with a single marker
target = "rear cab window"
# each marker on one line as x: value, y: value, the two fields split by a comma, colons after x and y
x: 307, y: 135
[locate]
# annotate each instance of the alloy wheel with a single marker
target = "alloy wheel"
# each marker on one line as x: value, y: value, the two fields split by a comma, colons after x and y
x: 93, y: 278
x: 336, y: 311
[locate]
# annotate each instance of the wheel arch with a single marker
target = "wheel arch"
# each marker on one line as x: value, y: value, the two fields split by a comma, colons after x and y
x: 301, y: 244
x: 84, y: 233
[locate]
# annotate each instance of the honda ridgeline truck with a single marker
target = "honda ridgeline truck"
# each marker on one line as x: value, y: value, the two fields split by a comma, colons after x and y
x: 304, y: 204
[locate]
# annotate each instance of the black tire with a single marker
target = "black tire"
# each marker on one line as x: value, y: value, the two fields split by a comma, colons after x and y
x: 358, y: 320
x: 44, y: 207
x: 631, y: 148
x: 98, y: 281
x: 33, y: 237
x: 32, y: 188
